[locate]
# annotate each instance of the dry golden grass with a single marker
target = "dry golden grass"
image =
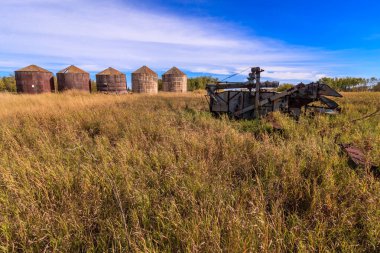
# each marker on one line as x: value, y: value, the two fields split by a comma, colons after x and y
x: 132, y: 173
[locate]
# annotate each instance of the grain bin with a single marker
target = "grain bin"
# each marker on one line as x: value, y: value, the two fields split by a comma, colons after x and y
x: 144, y: 80
x: 111, y: 80
x: 73, y: 78
x: 174, y: 80
x: 34, y: 80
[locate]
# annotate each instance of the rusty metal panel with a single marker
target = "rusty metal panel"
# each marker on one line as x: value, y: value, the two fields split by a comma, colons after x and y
x: 70, y: 81
x: 144, y: 80
x: 34, y: 82
x: 174, y: 80
x: 111, y: 83
x: 355, y: 154
x: 358, y: 158
x: 111, y: 80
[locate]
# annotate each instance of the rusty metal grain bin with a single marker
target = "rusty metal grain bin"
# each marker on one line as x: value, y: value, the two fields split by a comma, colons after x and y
x: 34, y: 80
x: 73, y: 78
x: 111, y: 80
x: 174, y: 80
x: 144, y: 80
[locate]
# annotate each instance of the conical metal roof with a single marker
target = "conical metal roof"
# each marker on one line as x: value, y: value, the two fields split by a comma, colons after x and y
x: 33, y: 68
x: 175, y: 71
x: 145, y: 70
x: 109, y: 71
x: 73, y: 70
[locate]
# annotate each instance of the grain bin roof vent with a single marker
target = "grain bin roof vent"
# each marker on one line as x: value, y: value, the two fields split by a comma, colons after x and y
x: 145, y: 70
x: 110, y: 71
x: 33, y: 68
x: 72, y: 70
x: 175, y: 71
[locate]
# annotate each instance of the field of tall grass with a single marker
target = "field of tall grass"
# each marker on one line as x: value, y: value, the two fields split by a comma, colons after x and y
x: 140, y: 173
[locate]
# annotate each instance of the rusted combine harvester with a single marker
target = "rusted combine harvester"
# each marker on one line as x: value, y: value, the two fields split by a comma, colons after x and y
x: 253, y: 99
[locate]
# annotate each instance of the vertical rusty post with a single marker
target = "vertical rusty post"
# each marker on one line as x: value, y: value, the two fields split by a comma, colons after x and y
x: 256, y: 71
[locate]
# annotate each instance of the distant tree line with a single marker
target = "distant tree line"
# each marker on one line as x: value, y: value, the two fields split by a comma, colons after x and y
x: 284, y: 87
x: 195, y: 83
x: 345, y: 84
x: 352, y: 83
x: 8, y: 84
x: 199, y: 83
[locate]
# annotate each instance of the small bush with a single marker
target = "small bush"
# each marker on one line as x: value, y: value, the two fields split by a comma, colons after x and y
x: 284, y: 87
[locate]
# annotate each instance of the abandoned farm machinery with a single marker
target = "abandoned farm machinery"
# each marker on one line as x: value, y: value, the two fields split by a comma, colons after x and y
x: 254, y: 99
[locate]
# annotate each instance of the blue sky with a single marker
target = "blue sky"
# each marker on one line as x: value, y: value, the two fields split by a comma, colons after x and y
x: 292, y: 40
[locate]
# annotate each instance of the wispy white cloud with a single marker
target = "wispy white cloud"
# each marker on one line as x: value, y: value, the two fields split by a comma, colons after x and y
x: 97, y: 34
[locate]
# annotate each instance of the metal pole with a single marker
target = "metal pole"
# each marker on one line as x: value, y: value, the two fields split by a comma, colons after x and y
x: 257, y: 72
